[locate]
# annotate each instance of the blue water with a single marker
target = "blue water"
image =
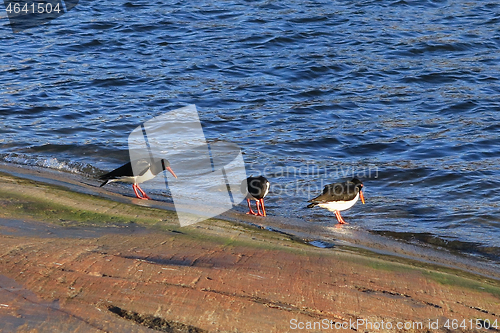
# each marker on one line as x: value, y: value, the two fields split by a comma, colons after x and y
x: 403, y: 94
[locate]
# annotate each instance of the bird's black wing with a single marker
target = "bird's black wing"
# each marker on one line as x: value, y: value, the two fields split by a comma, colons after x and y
x: 256, y: 187
x: 337, y: 192
x: 126, y: 170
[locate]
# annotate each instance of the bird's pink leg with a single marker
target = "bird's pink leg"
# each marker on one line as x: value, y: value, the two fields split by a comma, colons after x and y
x: 263, y: 208
x: 258, y: 208
x: 250, y: 211
x: 144, y: 195
x: 339, y: 218
x: 136, y: 192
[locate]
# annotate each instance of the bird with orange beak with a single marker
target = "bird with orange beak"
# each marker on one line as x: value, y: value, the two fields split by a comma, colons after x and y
x: 339, y: 196
x: 145, y: 169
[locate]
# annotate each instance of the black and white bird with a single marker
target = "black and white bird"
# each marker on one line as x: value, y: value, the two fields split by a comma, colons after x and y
x: 145, y: 171
x: 339, y: 196
x: 256, y: 188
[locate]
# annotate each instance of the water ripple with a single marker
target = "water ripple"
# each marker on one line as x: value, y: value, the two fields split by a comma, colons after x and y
x: 404, y: 93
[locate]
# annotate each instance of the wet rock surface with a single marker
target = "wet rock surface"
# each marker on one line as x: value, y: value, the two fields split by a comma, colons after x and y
x: 241, y: 283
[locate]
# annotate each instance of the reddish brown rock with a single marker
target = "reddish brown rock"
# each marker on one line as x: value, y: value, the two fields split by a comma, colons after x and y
x: 216, y: 287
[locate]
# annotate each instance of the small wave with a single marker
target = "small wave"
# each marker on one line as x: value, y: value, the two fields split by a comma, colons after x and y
x: 452, y: 245
x: 50, y: 163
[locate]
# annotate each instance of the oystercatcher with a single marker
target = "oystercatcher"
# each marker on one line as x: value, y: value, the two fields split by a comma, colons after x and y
x: 339, y: 196
x: 256, y: 189
x: 125, y: 174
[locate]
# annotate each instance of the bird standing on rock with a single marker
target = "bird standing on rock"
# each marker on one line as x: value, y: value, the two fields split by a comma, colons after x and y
x: 256, y: 188
x: 339, y: 196
x: 146, y: 171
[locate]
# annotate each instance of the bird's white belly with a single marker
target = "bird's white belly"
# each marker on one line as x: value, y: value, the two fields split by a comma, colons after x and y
x: 267, y: 189
x: 145, y: 177
x: 339, y: 205
x: 135, y: 179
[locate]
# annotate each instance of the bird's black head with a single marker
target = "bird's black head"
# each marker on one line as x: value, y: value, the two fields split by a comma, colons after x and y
x: 357, y: 182
x: 165, y: 165
x: 359, y: 186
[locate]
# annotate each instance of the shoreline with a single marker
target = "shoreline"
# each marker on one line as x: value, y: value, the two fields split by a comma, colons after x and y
x: 83, y: 261
x: 308, y: 233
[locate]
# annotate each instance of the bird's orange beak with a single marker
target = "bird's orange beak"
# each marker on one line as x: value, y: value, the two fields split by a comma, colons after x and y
x: 171, y: 171
x: 362, y: 197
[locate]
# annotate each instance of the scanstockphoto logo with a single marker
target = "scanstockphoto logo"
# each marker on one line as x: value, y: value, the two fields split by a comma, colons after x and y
x: 209, y: 176
x: 28, y: 14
